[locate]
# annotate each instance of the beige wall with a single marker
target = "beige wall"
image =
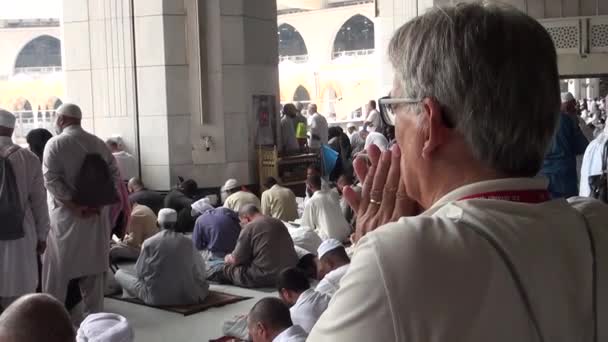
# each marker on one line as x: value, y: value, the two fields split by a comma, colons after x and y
x: 184, y: 92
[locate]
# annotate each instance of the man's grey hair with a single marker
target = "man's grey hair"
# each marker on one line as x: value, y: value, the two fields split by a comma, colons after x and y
x: 493, y: 69
x: 249, y: 210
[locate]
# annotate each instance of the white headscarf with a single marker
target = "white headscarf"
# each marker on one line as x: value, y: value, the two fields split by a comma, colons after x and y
x: 105, y: 327
x: 201, y: 206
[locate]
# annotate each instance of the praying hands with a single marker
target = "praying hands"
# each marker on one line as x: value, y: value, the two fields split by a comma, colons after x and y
x: 383, y: 198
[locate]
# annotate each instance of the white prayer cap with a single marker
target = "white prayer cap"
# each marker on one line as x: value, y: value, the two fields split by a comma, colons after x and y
x: 201, y: 206
x: 328, y: 246
x: 7, y: 119
x: 105, y: 327
x: 230, y: 184
x: 567, y: 97
x: 71, y: 110
x: 167, y: 215
x: 351, y: 125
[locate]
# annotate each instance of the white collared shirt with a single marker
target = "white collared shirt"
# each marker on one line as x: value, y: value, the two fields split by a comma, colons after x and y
x: 291, y: 334
x: 331, y: 282
x: 432, y: 278
x: 309, y: 307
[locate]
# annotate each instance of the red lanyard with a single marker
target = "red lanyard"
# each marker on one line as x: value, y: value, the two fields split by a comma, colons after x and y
x: 524, y: 196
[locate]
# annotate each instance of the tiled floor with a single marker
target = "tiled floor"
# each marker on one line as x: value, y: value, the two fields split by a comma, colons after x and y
x: 152, y: 325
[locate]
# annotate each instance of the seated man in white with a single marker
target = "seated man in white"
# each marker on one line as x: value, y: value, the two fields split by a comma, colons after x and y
x: 169, y: 270
x: 306, y: 305
x: 235, y: 197
x: 323, y: 214
x: 269, y: 321
x: 332, y: 266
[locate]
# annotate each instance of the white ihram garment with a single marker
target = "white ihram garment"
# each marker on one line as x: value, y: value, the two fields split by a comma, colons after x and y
x: 76, y: 247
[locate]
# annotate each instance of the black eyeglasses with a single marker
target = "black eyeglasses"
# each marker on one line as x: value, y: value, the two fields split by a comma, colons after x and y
x: 388, y: 106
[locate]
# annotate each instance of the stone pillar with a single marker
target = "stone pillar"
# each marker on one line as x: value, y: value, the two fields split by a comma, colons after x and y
x: 593, y: 88
x: 239, y: 51
x: 97, y: 52
x: 574, y: 87
x: 197, y: 65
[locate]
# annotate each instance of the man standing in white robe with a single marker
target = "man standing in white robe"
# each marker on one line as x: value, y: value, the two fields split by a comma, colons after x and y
x: 79, y: 240
x: 18, y: 258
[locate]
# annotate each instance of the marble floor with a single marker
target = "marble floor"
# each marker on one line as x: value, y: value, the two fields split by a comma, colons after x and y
x: 152, y: 325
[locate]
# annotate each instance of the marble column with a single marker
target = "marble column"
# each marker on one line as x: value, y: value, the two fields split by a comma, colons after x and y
x: 192, y: 65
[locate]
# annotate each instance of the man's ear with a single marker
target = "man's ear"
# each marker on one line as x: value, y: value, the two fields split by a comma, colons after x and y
x: 434, y: 129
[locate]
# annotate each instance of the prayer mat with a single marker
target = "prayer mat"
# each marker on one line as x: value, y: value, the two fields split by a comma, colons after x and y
x: 214, y: 299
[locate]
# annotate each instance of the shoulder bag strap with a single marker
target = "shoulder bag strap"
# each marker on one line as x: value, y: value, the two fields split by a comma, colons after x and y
x: 514, y: 275
x: 5, y: 152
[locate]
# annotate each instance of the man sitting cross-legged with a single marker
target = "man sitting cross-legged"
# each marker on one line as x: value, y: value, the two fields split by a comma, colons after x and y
x: 169, y: 270
x: 263, y: 249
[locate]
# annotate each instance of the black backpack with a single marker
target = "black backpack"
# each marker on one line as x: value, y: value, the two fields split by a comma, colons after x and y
x: 95, y: 187
x: 11, y: 210
x: 598, y: 184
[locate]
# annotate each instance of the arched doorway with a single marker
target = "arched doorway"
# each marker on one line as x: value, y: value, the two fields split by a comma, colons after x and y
x: 355, y: 37
x: 42, y: 54
x: 301, y: 95
x: 291, y: 45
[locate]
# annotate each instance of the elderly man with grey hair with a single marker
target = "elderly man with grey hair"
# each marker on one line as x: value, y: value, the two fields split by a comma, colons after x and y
x: 491, y: 257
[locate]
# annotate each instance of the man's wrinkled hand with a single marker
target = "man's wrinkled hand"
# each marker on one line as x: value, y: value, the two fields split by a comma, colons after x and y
x: 383, y: 198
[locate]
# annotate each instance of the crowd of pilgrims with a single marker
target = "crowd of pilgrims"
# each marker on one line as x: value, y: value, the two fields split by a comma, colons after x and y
x: 452, y: 240
x: 179, y: 241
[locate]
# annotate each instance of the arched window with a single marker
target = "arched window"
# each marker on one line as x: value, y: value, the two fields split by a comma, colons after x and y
x: 356, y: 37
x: 41, y: 52
x: 291, y: 44
x: 301, y: 95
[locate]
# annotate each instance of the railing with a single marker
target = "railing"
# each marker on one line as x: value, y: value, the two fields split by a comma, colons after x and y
x: 38, y: 70
x: 28, y: 120
x: 295, y: 59
x: 353, y: 53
